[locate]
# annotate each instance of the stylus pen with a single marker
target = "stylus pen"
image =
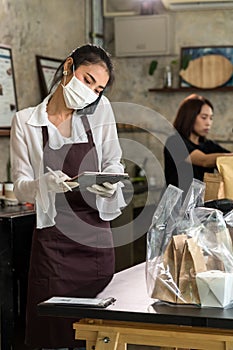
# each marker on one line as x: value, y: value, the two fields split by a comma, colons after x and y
x: 55, y: 174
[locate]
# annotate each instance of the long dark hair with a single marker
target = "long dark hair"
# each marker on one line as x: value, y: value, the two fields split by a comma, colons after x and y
x: 186, y: 115
x: 86, y: 55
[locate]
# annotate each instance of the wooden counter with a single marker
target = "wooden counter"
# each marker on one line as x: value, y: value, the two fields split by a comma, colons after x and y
x: 137, y: 319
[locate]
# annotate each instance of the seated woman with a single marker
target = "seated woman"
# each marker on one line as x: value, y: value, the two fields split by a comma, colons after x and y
x: 188, y: 153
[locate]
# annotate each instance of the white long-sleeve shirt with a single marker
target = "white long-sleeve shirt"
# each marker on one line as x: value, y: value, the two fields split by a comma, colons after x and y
x: 27, y: 156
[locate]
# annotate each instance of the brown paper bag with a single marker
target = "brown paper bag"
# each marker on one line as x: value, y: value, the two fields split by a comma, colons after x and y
x: 225, y: 168
x: 192, y: 263
x: 214, y: 186
x: 165, y: 287
x: 214, y: 263
x: 176, y: 277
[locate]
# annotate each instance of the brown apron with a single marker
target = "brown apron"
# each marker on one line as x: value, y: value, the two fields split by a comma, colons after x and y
x: 73, y: 258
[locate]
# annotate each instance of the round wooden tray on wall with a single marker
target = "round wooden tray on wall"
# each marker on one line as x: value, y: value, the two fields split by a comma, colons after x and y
x: 209, y: 71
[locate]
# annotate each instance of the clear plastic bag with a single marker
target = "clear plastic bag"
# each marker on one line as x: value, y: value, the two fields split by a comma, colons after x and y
x: 189, y: 251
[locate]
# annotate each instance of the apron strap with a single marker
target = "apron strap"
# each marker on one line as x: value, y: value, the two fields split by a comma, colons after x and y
x: 90, y: 137
x: 87, y: 128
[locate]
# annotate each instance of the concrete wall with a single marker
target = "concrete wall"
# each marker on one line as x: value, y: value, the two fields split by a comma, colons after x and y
x: 37, y: 27
x: 196, y: 28
x: 54, y: 27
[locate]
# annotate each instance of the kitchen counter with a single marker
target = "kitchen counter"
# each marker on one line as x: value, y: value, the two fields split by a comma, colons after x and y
x: 13, y: 211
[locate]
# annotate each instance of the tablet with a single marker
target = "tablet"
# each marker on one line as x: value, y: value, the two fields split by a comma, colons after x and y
x: 89, y: 178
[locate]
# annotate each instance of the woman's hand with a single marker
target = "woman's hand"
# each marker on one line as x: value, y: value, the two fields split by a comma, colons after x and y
x: 55, y: 181
x: 105, y: 190
x: 199, y: 158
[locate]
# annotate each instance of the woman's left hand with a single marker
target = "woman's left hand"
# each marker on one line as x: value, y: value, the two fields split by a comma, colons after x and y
x: 105, y: 190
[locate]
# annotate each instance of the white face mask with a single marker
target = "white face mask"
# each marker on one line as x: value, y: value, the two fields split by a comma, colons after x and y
x: 77, y: 95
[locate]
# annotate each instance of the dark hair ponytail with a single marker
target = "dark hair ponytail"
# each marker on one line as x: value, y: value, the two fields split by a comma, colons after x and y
x: 85, y: 55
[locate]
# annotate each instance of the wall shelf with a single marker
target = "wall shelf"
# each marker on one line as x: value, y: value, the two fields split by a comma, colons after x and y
x: 191, y: 89
x: 4, y: 131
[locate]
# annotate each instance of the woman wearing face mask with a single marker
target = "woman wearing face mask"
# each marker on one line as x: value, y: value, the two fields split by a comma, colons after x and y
x: 71, y: 131
x: 188, y: 153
